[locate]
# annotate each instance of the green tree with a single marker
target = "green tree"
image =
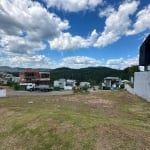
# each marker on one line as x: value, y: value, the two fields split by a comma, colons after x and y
x: 132, y: 69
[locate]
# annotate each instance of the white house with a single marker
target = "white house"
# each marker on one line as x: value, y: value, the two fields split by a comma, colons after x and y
x: 111, y: 83
x: 65, y: 84
x: 71, y: 83
x: 84, y: 84
x: 61, y: 83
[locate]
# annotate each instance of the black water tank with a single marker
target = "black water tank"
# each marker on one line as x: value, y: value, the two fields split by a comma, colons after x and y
x: 144, y: 59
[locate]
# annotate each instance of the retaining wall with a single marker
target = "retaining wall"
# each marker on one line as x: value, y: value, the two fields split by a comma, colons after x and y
x: 142, y: 84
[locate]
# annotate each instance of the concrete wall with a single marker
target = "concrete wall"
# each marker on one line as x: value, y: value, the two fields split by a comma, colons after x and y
x: 129, y: 89
x: 2, y: 92
x: 142, y: 84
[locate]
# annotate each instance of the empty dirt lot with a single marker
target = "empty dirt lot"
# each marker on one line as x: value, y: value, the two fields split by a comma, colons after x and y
x: 104, y: 120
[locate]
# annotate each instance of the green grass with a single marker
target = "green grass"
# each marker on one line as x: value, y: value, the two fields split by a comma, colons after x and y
x: 103, y: 120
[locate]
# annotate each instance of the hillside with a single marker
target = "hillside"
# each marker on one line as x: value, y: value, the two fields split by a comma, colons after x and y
x: 94, y: 75
x: 17, y: 69
x: 9, y: 69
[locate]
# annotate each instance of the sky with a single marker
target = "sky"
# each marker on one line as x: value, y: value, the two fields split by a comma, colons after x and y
x: 72, y: 33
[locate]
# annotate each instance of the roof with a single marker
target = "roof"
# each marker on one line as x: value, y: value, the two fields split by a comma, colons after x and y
x: 112, y: 78
x: 30, y: 70
x: 44, y: 72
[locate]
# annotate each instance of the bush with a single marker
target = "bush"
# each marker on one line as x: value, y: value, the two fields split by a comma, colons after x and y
x: 57, y: 89
x: 122, y: 86
x: 85, y: 88
x: 106, y: 88
x: 16, y: 87
x: 80, y: 90
x: 10, y: 83
x: 100, y: 86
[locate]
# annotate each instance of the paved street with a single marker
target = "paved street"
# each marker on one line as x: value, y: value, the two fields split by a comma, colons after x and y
x: 36, y: 93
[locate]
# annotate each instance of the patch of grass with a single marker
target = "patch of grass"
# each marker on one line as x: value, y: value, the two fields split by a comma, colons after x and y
x: 102, y: 120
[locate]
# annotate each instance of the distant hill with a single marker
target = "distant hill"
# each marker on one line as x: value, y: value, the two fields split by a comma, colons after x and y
x: 9, y: 69
x: 17, y: 69
x: 94, y: 75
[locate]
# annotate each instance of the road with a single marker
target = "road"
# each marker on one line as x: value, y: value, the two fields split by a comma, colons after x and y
x: 36, y: 93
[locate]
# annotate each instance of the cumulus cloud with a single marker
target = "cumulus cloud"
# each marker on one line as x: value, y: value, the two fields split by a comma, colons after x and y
x: 68, y: 42
x: 107, y: 12
x: 17, y: 16
x: 74, y: 5
x: 121, y: 63
x: 25, y: 27
x: 80, y: 62
x: 142, y: 23
x: 42, y: 61
x: 29, y: 24
x: 84, y: 61
x: 19, y: 45
x: 26, y: 61
x: 117, y: 23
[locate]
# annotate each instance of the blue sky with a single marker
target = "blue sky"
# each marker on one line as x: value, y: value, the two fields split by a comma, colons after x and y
x: 72, y: 33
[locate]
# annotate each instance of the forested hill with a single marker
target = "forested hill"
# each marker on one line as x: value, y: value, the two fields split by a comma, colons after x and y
x: 94, y: 75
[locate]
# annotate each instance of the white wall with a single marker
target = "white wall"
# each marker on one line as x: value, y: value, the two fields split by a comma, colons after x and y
x: 142, y: 84
x: 56, y: 83
x: 129, y: 89
x: 2, y: 92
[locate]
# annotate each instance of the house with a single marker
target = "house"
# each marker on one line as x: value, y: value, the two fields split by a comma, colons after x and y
x: 5, y: 77
x: 44, y: 78
x: 29, y: 76
x: 84, y: 84
x: 3, y: 81
x: 34, y: 76
x: 64, y: 84
x: 16, y: 79
x: 71, y: 83
x: 111, y: 83
x: 56, y: 83
x: 61, y: 83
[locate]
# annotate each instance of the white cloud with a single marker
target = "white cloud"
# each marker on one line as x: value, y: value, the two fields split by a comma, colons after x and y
x: 36, y: 61
x: 29, y: 24
x: 84, y: 61
x: 80, y: 62
x: 26, y: 61
x: 19, y: 45
x: 41, y: 61
x: 68, y: 42
x: 117, y: 23
x: 143, y: 21
x: 107, y: 12
x: 121, y: 63
x: 25, y: 25
x: 26, y: 16
x: 74, y: 5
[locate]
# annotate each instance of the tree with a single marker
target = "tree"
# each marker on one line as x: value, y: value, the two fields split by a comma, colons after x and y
x: 132, y: 69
